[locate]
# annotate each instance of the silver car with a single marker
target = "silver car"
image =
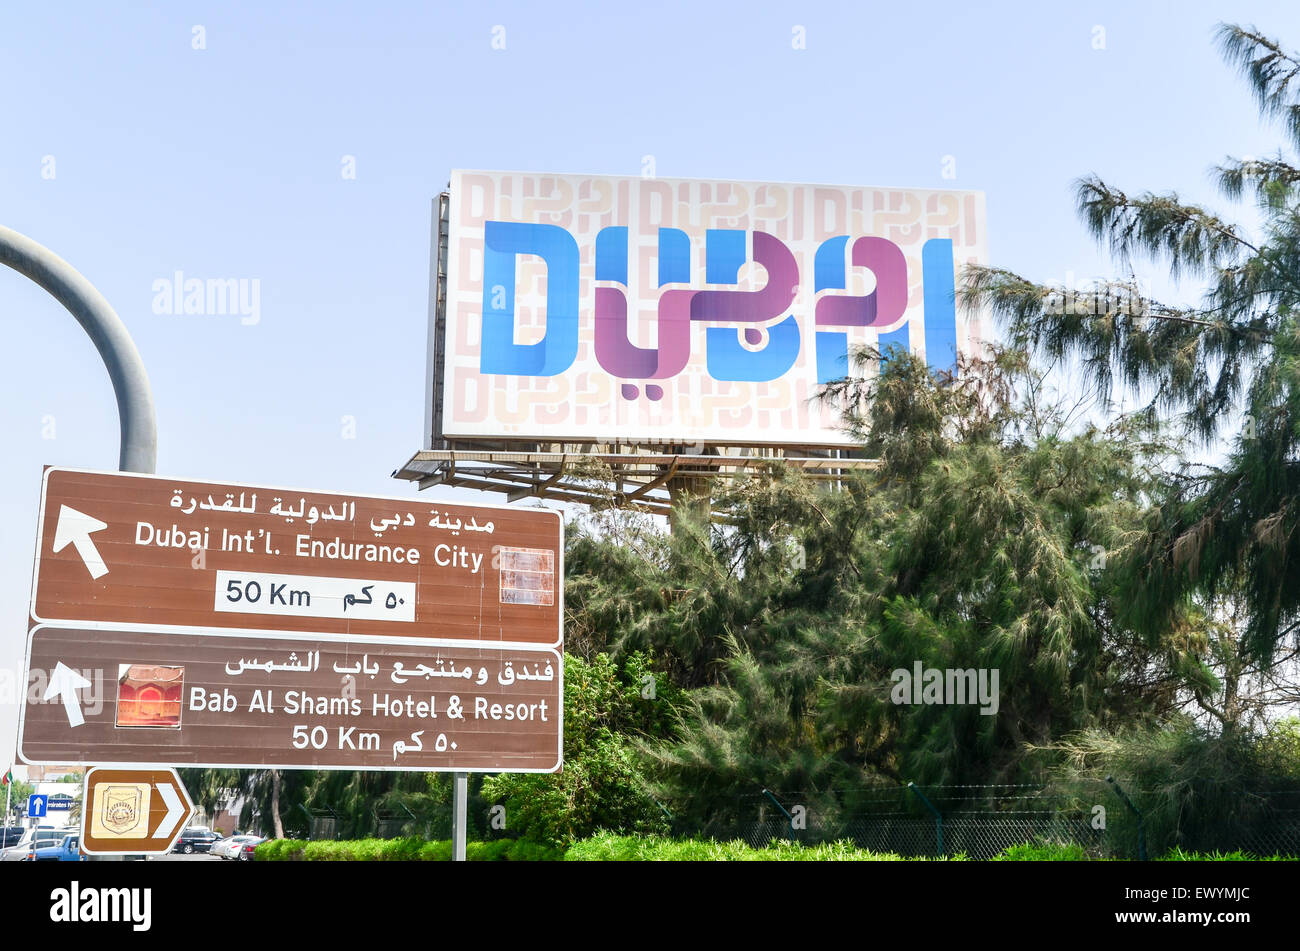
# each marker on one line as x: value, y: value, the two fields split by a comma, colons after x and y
x: 228, y: 848
x: 33, y: 839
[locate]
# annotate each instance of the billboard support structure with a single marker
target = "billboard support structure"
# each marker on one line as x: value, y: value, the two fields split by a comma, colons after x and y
x: 628, y: 341
x: 628, y: 477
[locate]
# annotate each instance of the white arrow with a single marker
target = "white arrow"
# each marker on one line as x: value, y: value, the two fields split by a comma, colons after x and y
x: 175, y: 811
x: 75, y: 527
x: 66, y: 682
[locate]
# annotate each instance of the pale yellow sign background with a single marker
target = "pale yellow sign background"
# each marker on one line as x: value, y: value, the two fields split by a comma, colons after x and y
x: 121, y: 810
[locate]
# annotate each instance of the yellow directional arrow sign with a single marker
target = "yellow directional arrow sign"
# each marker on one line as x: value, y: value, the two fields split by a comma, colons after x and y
x: 133, y: 811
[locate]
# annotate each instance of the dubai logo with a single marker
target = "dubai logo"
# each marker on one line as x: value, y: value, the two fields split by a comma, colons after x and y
x: 769, y: 349
x: 121, y: 808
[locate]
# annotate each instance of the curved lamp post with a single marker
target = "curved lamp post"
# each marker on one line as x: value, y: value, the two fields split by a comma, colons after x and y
x: 139, y: 446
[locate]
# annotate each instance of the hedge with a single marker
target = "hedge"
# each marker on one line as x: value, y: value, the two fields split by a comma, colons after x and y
x: 400, y: 850
x: 608, y: 847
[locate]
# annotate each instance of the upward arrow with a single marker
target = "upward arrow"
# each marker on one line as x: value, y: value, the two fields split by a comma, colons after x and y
x: 75, y: 527
x: 65, y: 682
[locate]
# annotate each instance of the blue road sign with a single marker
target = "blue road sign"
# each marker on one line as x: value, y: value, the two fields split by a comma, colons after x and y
x: 37, y: 805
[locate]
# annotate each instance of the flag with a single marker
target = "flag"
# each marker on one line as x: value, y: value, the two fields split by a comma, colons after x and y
x: 9, y: 777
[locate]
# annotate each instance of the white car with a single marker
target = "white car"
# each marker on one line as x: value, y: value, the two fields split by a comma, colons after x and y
x: 228, y: 848
x: 33, y: 839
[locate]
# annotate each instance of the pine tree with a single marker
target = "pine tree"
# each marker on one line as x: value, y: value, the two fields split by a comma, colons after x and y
x: 1233, y: 360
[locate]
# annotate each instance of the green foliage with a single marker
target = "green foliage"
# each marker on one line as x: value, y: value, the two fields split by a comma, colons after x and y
x: 1178, y: 855
x: 611, y: 847
x: 983, y: 541
x: 358, y: 797
x: 440, y: 851
x: 608, y: 847
x: 1043, y: 852
x: 1233, y: 361
x: 279, y: 850
x: 601, y: 785
x: 400, y: 850
x: 211, y: 787
x: 19, y: 793
x: 1196, y: 789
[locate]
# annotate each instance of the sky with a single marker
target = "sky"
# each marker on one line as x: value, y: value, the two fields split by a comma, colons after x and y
x: 218, y: 140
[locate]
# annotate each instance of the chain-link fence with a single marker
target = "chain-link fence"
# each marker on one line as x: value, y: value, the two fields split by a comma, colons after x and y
x: 979, y: 822
x: 1089, y: 819
x: 1268, y: 823
x: 1086, y: 818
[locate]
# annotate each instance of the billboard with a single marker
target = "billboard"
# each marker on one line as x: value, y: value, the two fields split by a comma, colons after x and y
x: 594, y: 308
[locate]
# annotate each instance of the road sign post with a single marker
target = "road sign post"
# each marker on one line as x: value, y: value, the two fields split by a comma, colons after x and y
x: 459, y: 815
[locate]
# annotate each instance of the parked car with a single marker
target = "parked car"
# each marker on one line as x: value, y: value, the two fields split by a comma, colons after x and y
x: 38, y: 838
x: 66, y: 851
x: 11, y: 835
x: 196, y: 839
x: 245, y: 852
x: 228, y: 848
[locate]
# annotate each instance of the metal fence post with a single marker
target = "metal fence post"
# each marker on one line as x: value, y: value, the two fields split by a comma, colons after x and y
x: 938, y: 819
x: 789, y: 818
x: 1142, y: 835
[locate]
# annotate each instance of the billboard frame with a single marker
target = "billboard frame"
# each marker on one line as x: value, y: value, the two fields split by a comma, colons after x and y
x: 644, y: 473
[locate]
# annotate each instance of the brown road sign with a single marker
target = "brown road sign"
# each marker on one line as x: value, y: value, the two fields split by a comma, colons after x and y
x: 133, y: 811
x: 125, y: 549
x: 297, y: 701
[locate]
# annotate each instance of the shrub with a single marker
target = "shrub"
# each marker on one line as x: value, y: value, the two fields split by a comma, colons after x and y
x: 601, y: 785
x: 402, y: 850
x: 1043, y: 852
x: 279, y: 850
x: 1176, y: 854
x: 608, y: 847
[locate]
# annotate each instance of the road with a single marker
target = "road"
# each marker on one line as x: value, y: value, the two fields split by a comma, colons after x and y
x: 196, y: 857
